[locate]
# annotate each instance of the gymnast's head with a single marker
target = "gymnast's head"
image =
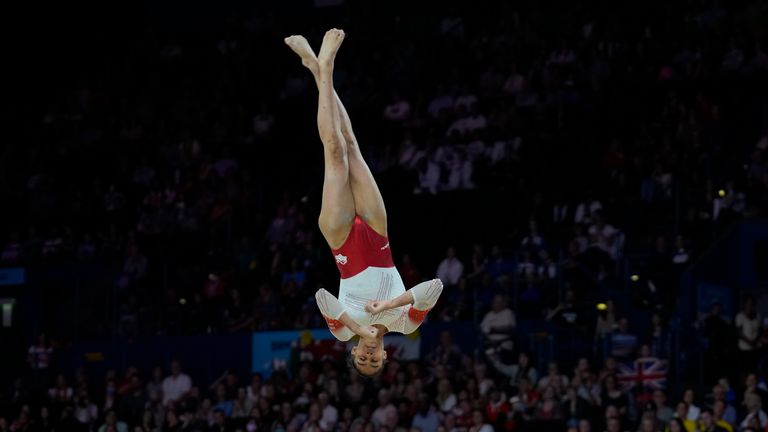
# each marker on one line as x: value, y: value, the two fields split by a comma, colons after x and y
x: 368, y: 356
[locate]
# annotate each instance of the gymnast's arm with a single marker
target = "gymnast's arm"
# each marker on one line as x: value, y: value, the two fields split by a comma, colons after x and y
x: 423, y: 297
x: 339, y: 322
x: 362, y: 331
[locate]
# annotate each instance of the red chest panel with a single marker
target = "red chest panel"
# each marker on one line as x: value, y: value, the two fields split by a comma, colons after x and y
x: 363, y: 248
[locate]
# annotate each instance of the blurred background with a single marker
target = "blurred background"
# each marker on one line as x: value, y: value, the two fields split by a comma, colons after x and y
x: 588, y: 178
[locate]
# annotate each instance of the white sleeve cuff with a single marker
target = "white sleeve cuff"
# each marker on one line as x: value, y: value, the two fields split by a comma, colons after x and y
x: 328, y: 304
x: 425, y: 294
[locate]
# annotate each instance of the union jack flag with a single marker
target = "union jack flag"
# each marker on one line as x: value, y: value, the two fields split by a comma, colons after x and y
x: 648, y: 373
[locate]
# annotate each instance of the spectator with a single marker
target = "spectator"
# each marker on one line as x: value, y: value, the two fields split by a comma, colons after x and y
x: 553, y: 379
x: 447, y: 353
x: 354, y: 391
x: 754, y: 408
x: 663, y: 412
x: 61, y: 393
x: 85, y: 412
x: 575, y: 406
x: 680, y: 417
x: 155, y: 385
x: 132, y: 400
x: 172, y: 422
x: 478, y: 423
x: 708, y: 422
x: 533, y: 240
x: 450, y: 269
x: 219, y: 422
x: 606, y: 322
x: 386, y: 414
x: 222, y: 402
x: 565, y: 314
x: 516, y: 372
x: 242, y: 406
x: 752, y: 385
x: 135, y: 266
x: 39, y: 354
x: 498, y: 325
x: 623, y: 343
x: 548, y: 408
x: 292, y: 421
x: 497, y: 408
x: 584, y: 426
x: 718, y: 414
x: 648, y: 424
x: 446, y: 398
x: 689, y: 397
x: 330, y: 415
x: 601, y: 234
x: 611, y: 395
x: 112, y: 424
x: 677, y: 425
x: 426, y: 418
x: 176, y: 385
x: 748, y: 324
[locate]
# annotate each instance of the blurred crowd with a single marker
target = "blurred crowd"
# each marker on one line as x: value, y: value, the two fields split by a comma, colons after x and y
x: 162, y: 176
x: 182, y: 186
x: 447, y: 390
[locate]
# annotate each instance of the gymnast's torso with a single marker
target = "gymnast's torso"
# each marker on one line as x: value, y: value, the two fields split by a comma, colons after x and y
x: 368, y: 273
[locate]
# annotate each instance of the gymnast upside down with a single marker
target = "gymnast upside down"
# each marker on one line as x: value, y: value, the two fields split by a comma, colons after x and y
x: 372, y: 298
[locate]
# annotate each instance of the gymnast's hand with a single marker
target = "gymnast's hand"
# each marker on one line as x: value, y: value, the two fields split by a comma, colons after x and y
x: 369, y: 332
x: 376, y: 306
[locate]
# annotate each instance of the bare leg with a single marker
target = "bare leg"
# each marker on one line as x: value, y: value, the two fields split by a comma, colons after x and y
x: 368, y: 201
x: 338, y: 207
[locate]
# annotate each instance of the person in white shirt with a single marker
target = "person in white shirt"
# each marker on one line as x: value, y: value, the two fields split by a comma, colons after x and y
x: 450, y: 269
x: 330, y: 415
x: 176, y: 385
x: 498, y: 324
x: 585, y: 209
x: 748, y: 324
x: 754, y: 411
x: 86, y: 412
x: 61, y: 392
x: 429, y: 176
x: 386, y: 414
x: 601, y: 234
x: 446, y: 398
x: 689, y: 397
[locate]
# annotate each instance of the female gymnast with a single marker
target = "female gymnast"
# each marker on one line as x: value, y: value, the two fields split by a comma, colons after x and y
x: 372, y: 298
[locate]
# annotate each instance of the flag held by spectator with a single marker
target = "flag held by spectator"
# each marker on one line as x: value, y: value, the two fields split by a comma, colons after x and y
x: 648, y: 372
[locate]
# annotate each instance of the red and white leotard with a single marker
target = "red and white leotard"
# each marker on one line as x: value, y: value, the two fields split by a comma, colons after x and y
x: 368, y: 273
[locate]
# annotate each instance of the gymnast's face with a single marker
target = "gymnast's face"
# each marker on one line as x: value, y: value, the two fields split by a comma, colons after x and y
x: 368, y: 356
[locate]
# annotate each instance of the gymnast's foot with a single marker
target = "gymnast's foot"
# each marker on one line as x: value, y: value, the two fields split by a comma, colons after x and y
x: 300, y: 46
x: 331, y: 43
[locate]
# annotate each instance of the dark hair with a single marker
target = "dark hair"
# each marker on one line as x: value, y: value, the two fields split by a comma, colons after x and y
x: 678, y: 421
x: 707, y: 411
x: 353, y: 365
